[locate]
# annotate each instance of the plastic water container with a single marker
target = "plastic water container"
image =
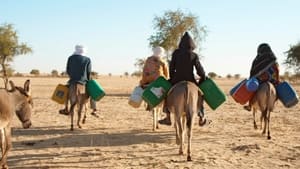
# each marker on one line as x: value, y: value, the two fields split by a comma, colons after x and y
x: 156, y: 91
x: 60, y: 94
x: 135, y: 98
x: 213, y: 95
x: 252, y: 84
x: 95, y: 90
x: 286, y: 94
x: 240, y: 93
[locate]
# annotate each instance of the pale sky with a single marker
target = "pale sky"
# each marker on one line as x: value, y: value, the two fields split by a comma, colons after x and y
x: 116, y: 32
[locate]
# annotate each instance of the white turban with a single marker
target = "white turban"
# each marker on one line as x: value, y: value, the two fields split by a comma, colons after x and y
x: 79, y: 50
x: 158, y: 51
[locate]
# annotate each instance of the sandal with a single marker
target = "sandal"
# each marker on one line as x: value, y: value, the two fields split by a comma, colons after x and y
x: 248, y: 108
x: 94, y: 113
x: 165, y: 121
x: 64, y: 112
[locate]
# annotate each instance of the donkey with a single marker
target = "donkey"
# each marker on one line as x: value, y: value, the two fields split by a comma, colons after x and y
x: 17, y: 100
x: 264, y: 100
x: 156, y: 115
x: 184, y: 100
x: 77, y: 96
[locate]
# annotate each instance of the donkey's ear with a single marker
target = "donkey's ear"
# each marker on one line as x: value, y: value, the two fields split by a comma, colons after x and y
x: 12, y: 86
x: 27, y: 85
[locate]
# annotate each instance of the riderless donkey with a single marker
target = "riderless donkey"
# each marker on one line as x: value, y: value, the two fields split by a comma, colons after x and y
x: 17, y: 100
x: 184, y: 100
x: 264, y: 100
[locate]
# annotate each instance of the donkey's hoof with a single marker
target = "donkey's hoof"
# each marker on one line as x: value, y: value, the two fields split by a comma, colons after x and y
x: 202, y: 121
x: 189, y: 158
x: 269, y: 137
x: 5, y: 166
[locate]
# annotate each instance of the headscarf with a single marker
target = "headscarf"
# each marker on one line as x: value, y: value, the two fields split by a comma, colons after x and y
x: 187, y: 42
x: 264, y: 58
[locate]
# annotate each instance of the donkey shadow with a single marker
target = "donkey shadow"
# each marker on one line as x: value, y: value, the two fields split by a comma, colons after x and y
x: 64, y: 138
x: 99, y: 138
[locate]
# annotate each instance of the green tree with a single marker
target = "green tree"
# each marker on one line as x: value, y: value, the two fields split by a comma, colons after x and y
x: 35, y: 72
x: 9, y: 71
x: 139, y: 64
x: 229, y: 76
x: 293, y: 57
x: 9, y: 48
x: 94, y: 74
x: 170, y: 28
x: 54, y: 73
x: 237, y: 76
x: 212, y: 75
x: 64, y: 73
x: 136, y: 73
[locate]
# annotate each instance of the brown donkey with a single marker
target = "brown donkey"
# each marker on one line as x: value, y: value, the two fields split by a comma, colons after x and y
x: 79, y: 97
x: 156, y: 115
x: 184, y: 101
x: 17, y: 100
x: 264, y: 101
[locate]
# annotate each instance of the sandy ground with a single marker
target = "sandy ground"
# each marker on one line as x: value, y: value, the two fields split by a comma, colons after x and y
x: 122, y: 136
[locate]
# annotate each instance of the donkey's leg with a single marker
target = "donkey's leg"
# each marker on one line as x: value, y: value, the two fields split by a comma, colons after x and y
x: 180, y: 130
x: 79, y: 115
x: 268, y: 121
x: 176, y: 130
x: 158, y: 110
x: 2, y: 141
x: 3, y: 145
x: 183, y: 122
x: 261, y: 120
x: 189, y: 133
x: 254, y: 120
x: 7, y: 145
x: 154, y: 114
x: 72, y: 115
x: 84, y: 114
x: 264, y: 117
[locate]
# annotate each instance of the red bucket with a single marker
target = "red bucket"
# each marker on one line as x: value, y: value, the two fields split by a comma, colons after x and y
x: 240, y: 93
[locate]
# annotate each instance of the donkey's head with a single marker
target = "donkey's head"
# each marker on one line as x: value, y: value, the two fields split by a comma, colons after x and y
x: 24, y: 103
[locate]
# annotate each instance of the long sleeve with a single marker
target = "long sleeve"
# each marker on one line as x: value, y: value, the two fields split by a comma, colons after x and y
x: 89, y: 69
x: 165, y: 70
x: 68, y: 67
x: 199, y: 69
x: 172, y: 67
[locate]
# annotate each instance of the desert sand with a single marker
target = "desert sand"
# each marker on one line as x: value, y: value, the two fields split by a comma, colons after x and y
x: 122, y: 137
